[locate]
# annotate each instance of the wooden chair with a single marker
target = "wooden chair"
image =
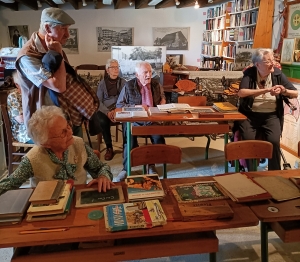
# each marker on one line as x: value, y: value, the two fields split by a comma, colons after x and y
x: 99, y: 67
x: 15, y: 149
x: 155, y: 154
x: 196, y: 101
x: 248, y: 149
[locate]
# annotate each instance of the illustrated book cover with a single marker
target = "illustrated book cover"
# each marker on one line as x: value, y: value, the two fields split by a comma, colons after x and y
x: 225, y: 107
x: 89, y: 197
x: 144, y: 214
x: 241, y: 187
x: 144, y: 187
x: 13, y: 205
x: 47, y: 192
x: 198, y: 191
x: 50, y: 209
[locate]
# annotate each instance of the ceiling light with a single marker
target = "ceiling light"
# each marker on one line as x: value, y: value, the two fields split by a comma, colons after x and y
x: 39, y: 4
x: 177, y: 2
x: 210, y: 1
x: 196, y: 5
x: 130, y: 2
x: 84, y: 3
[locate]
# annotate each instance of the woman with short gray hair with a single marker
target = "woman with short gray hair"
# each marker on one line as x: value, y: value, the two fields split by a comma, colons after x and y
x: 262, y: 91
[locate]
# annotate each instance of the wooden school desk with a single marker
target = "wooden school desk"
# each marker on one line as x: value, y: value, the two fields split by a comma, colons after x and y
x: 284, y: 221
x: 174, y: 238
x: 215, y: 125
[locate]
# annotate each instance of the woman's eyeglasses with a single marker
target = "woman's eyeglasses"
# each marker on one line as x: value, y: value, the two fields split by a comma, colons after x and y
x: 268, y: 62
x: 114, y: 67
x: 64, y: 132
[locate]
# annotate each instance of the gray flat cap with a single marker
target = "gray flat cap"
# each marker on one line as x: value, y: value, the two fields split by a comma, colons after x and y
x: 56, y: 15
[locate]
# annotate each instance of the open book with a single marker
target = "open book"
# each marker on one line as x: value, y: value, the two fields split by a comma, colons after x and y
x: 174, y: 107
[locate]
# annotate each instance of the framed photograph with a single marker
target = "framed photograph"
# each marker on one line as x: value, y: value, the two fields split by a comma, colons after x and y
x: 128, y: 56
x: 174, y: 60
x: 297, y: 50
x: 293, y: 19
x: 287, y: 51
x: 89, y: 197
x: 174, y: 38
x: 92, y: 77
x: 71, y: 46
x: 113, y: 36
x: 18, y: 35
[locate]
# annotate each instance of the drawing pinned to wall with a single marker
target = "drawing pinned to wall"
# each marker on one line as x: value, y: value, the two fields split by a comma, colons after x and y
x: 174, y: 38
x: 71, y: 46
x: 287, y: 51
x: 128, y: 56
x: 113, y: 36
x: 18, y: 34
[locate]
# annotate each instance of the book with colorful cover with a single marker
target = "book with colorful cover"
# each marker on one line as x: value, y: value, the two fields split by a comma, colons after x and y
x: 198, y: 191
x: 225, y: 107
x: 144, y: 187
x: 127, y: 216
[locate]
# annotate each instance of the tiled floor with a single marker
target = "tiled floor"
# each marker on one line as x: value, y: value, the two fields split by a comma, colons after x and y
x: 236, y: 245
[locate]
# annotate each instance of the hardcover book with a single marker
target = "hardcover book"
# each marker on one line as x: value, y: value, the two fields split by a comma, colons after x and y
x: 225, y: 107
x: 130, y: 114
x: 88, y: 197
x: 50, y: 209
x: 47, y: 192
x: 13, y: 205
x: 144, y: 187
x: 144, y: 214
x: 198, y: 191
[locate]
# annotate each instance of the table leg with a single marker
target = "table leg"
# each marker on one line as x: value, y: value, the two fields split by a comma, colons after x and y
x: 128, y: 134
x: 225, y: 142
x: 212, y: 257
x: 264, y: 241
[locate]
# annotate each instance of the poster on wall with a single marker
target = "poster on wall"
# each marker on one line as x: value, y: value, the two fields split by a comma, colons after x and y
x: 18, y: 35
x: 71, y: 46
x: 293, y: 20
x: 113, y: 36
x: 174, y: 38
x: 128, y: 56
x: 291, y: 126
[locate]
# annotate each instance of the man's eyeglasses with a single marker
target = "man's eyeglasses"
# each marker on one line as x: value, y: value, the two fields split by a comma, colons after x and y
x: 114, y: 67
x: 64, y: 132
x: 268, y: 62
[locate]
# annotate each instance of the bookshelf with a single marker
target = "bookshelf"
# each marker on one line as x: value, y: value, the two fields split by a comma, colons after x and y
x: 233, y: 25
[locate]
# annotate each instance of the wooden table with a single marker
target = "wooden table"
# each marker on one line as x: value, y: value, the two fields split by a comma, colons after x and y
x: 284, y: 221
x: 219, y: 126
x: 174, y: 238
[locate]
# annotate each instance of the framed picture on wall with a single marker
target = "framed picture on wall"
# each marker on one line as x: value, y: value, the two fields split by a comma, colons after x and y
x: 174, y: 38
x: 18, y: 35
x: 293, y: 19
x: 113, y: 36
x: 297, y: 50
x: 287, y: 51
x: 71, y: 46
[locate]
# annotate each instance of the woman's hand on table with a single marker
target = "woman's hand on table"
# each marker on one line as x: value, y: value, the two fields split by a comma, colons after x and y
x: 103, y: 182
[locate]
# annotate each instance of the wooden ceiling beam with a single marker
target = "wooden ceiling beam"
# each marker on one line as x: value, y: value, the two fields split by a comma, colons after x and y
x: 50, y: 3
x: 139, y: 3
x: 14, y: 6
x: 74, y: 3
x: 163, y: 3
x: 117, y: 4
x: 31, y: 4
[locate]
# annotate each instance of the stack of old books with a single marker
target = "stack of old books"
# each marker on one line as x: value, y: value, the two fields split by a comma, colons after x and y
x: 145, y: 214
x: 144, y: 187
x: 14, y: 204
x: 50, y: 200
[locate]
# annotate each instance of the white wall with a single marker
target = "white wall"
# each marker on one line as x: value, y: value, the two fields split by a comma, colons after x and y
x: 142, y: 20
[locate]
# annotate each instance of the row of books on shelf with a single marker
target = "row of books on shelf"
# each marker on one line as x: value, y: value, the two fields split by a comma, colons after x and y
x: 239, y: 34
x: 243, y: 5
x: 228, y: 65
x: 230, y: 50
x: 243, y: 19
x: 219, y: 10
x: 216, y: 23
x: 213, y: 36
x: 211, y: 49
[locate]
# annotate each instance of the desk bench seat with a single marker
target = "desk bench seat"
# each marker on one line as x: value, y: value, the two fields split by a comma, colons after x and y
x: 132, y: 248
x: 288, y: 231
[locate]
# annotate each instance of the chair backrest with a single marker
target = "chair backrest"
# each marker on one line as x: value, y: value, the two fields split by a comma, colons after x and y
x: 248, y: 149
x: 193, y: 100
x: 156, y: 154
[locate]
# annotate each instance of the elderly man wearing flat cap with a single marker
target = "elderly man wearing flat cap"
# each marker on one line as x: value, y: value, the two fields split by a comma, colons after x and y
x: 46, y: 78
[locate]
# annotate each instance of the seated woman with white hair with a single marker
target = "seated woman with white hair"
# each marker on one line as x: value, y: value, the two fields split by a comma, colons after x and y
x: 57, y: 154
